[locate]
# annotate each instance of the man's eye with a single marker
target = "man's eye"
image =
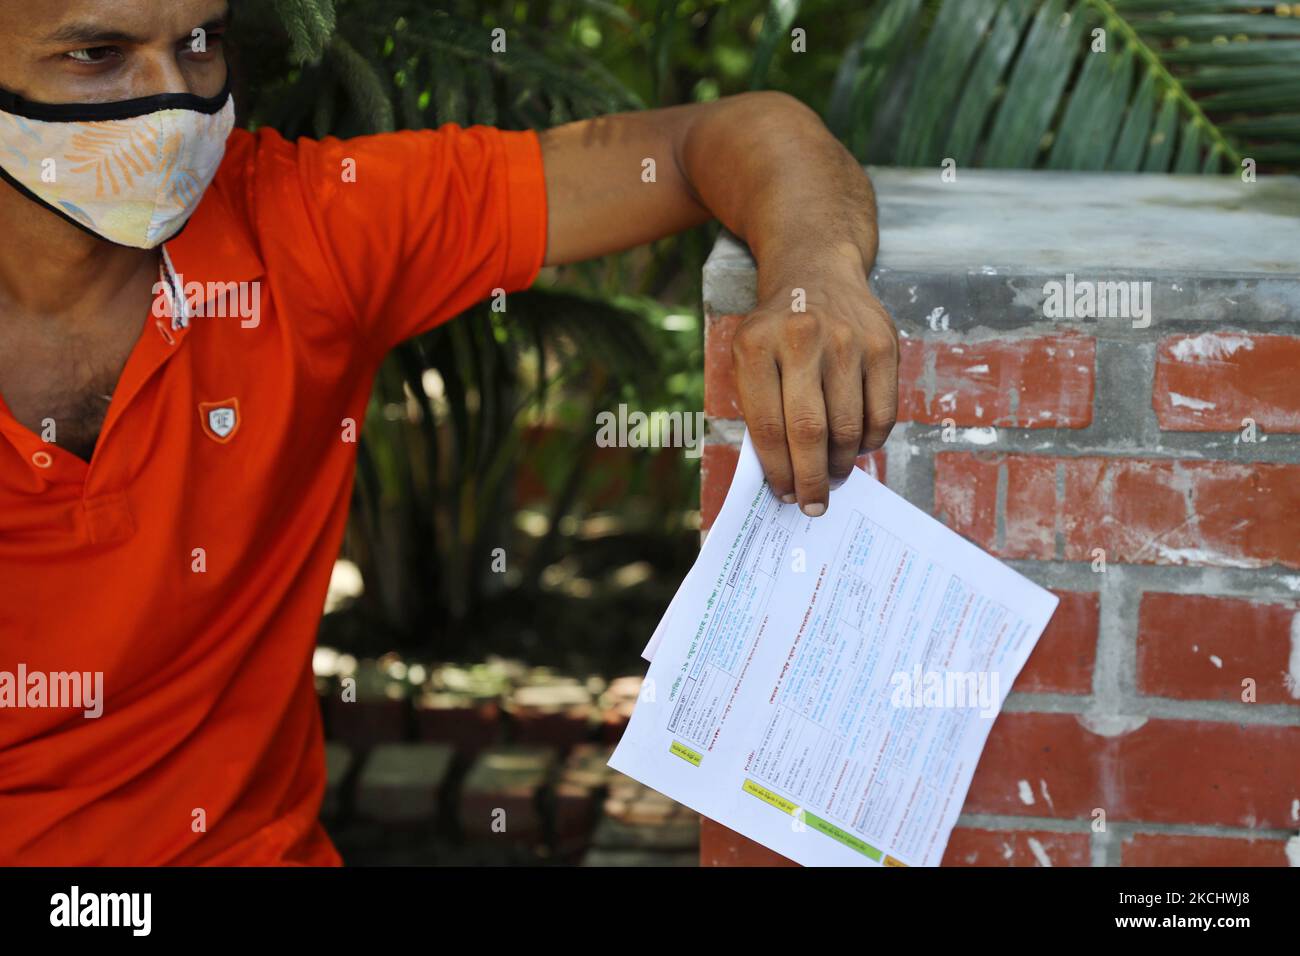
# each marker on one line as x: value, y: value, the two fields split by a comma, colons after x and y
x: 94, y: 54
x: 204, y: 43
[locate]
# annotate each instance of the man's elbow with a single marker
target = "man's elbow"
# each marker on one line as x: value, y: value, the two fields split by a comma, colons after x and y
x: 773, y: 103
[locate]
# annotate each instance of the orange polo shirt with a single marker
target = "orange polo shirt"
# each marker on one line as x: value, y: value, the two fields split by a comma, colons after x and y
x: 188, y: 561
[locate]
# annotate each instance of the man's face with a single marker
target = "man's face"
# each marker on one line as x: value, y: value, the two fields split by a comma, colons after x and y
x: 102, y: 51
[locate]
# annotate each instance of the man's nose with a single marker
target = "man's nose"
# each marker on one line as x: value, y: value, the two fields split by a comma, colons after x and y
x: 160, y: 73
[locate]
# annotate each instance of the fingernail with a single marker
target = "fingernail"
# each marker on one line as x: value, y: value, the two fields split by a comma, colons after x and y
x: 789, y: 499
x: 814, y: 510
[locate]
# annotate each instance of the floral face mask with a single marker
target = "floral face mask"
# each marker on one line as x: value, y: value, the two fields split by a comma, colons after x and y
x: 130, y: 172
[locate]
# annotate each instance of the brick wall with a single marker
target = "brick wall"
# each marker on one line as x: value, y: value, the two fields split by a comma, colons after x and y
x: 1158, y: 720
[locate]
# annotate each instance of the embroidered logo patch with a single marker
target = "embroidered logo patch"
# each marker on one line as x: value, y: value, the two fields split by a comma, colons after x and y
x: 220, y: 419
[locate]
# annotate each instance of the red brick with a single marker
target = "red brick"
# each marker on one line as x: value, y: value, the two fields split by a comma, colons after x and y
x: 561, y: 730
x: 1139, y: 511
x: 468, y: 724
x: 1062, y: 661
x: 1180, y: 635
x: 720, y: 846
x: 972, y: 847
x: 1053, y: 754
x: 1210, y: 382
x: 556, y: 713
x: 721, y: 400
x: 1166, y: 771
x: 583, y: 780
x: 718, y: 466
x: 966, y: 496
x: 504, y: 786
x: 1162, y: 849
x: 403, y: 783
x: 1044, y: 382
x: 617, y: 703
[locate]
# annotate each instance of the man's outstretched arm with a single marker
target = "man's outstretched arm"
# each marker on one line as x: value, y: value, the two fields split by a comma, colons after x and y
x: 817, y: 387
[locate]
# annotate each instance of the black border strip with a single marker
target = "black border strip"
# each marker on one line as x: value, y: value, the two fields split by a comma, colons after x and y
x: 122, y: 109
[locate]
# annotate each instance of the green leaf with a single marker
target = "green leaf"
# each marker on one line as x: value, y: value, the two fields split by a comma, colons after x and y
x: 1287, y: 154
x: 776, y: 30
x: 1129, y: 7
x: 1002, y: 84
x: 1252, y: 52
x: 1096, y: 109
x: 1189, y: 149
x: 982, y: 86
x: 1133, y: 137
x: 855, y: 94
x: 1213, y: 161
x: 1160, y: 145
x: 1283, y: 126
x: 1040, y: 74
x: 960, y: 27
x: 1219, y: 78
x: 1199, y: 27
x: 1264, y: 96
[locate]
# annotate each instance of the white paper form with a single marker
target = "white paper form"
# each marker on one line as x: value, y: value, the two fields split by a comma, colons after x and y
x: 825, y: 686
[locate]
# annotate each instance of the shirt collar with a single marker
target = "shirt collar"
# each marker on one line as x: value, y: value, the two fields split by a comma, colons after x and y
x: 214, y: 248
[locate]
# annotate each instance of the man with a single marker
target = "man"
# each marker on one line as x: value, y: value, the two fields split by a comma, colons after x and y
x: 190, y: 322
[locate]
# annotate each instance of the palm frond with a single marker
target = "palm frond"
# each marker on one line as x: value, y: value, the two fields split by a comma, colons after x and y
x: 777, y: 22
x: 1080, y: 84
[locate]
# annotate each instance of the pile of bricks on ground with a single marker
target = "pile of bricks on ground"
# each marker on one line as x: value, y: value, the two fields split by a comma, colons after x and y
x: 495, y: 764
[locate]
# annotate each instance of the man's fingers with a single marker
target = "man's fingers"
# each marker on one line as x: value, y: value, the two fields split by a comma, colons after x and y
x: 881, y: 389
x: 807, y: 434
x: 759, y: 382
x: 817, y: 390
x: 845, y: 420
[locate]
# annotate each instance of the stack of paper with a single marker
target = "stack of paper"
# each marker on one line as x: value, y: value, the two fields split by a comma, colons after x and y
x: 825, y: 685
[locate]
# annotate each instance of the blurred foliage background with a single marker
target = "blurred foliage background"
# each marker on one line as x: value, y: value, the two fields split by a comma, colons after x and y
x: 480, y: 435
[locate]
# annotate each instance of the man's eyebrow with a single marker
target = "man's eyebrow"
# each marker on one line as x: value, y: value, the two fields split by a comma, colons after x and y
x: 91, y: 34
x: 219, y: 23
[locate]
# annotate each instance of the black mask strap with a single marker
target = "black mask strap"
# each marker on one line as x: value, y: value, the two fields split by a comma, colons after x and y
x: 122, y: 109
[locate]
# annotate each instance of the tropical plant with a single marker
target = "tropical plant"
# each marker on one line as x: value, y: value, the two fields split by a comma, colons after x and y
x: 1128, y: 85
x: 449, y: 418
x: 1186, y: 86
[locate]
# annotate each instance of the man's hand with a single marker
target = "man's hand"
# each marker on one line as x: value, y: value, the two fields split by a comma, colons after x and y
x: 817, y: 361
x: 818, y: 387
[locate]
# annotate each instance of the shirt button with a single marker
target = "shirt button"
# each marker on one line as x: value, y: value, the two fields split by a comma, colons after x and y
x: 42, y: 459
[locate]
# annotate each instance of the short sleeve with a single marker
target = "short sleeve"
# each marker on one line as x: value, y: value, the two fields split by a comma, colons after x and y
x: 417, y: 226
